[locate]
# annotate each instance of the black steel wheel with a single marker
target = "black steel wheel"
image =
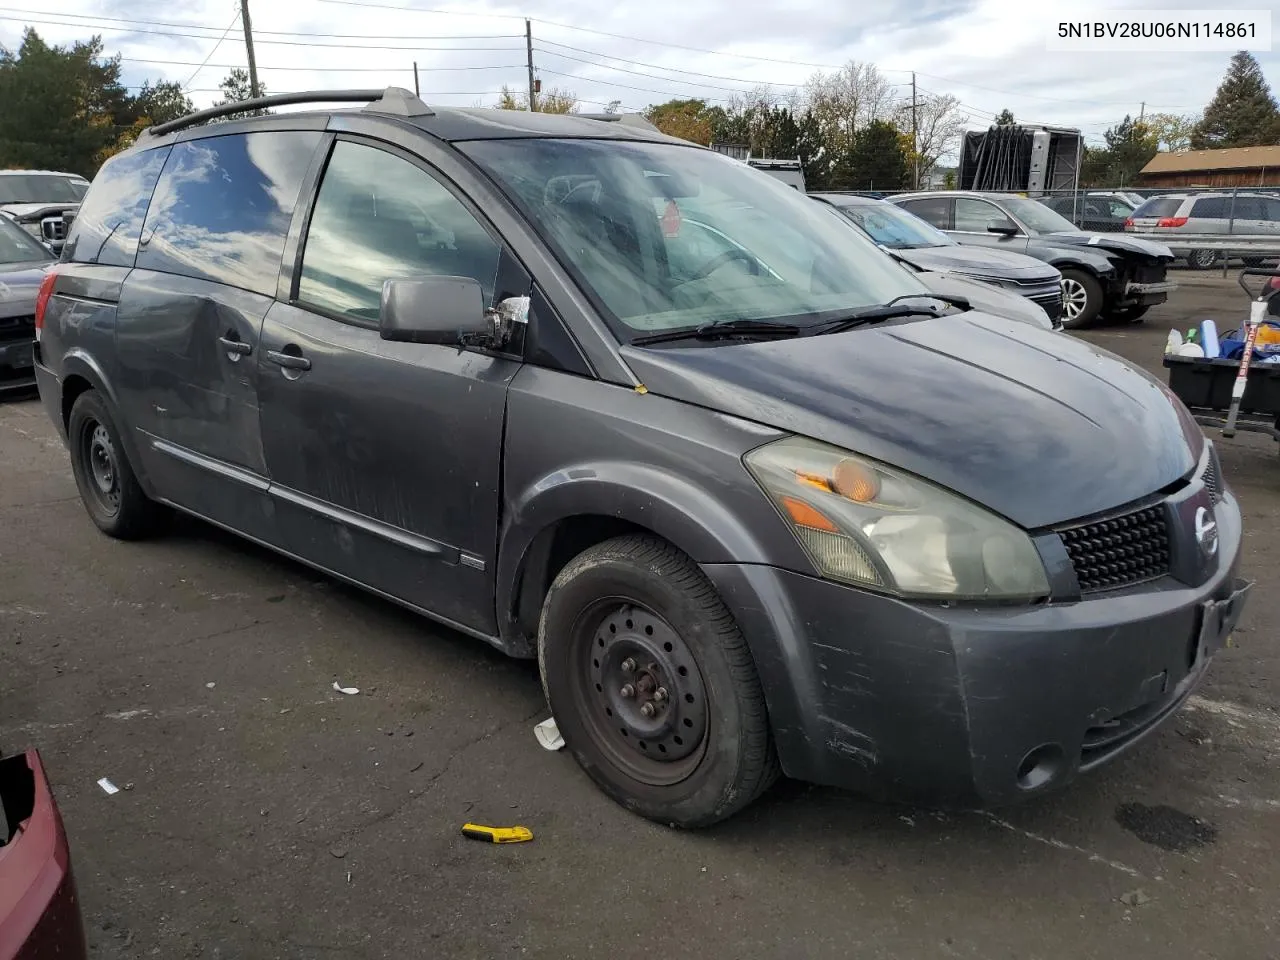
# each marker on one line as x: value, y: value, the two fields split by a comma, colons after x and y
x: 108, y: 486
x: 652, y: 685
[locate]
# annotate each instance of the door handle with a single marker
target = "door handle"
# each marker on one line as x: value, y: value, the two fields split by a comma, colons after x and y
x: 289, y: 361
x: 236, y: 346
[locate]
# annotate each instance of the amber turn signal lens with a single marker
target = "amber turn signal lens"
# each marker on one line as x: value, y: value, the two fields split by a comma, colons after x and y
x: 854, y: 481
x: 803, y: 515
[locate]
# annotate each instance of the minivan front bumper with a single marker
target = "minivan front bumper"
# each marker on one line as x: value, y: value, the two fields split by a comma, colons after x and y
x: 960, y: 706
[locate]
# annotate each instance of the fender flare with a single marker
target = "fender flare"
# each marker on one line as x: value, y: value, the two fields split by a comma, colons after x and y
x: 78, y: 363
x: 640, y: 495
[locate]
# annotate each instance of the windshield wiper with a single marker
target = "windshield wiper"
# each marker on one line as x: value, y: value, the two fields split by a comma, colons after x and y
x: 892, y: 310
x: 721, y: 329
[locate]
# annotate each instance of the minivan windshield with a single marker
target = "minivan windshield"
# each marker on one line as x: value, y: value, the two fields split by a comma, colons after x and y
x: 1036, y: 216
x: 665, y: 237
x: 40, y: 188
x: 893, y: 227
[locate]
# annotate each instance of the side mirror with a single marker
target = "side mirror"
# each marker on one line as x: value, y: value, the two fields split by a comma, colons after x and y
x: 440, y: 310
x: 1006, y: 227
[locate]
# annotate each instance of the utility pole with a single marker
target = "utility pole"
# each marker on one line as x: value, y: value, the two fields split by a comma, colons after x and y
x: 915, y: 136
x: 528, y: 46
x: 417, y: 91
x: 1142, y: 111
x: 254, y: 90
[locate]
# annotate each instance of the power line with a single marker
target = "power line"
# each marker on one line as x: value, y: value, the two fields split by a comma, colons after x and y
x: 214, y: 50
x: 637, y: 73
x: 641, y: 63
x: 624, y: 86
x: 256, y: 31
x: 241, y: 66
x: 282, y: 43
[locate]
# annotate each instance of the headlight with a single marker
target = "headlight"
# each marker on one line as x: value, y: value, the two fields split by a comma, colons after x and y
x: 871, y: 525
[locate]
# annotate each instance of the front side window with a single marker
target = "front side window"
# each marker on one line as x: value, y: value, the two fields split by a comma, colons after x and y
x: 1036, y: 216
x: 974, y: 216
x: 107, y: 226
x: 379, y: 217
x: 223, y: 205
x: 633, y: 221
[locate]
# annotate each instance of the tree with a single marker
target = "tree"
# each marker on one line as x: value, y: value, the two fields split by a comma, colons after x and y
x: 553, y: 101
x: 939, y: 125
x: 1130, y: 146
x: 1005, y: 118
x: 62, y: 106
x: 1172, y: 132
x: 845, y: 101
x: 687, y: 119
x: 235, y: 87
x: 949, y: 180
x: 162, y: 102
x: 875, y: 160
x: 1242, y: 113
x: 815, y: 156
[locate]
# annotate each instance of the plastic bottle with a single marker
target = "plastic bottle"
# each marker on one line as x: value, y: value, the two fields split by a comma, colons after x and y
x: 1175, y: 341
x: 1191, y: 350
x: 1209, y: 339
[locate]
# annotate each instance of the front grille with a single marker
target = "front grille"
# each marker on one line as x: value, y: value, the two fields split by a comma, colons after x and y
x: 17, y: 328
x: 1051, y: 302
x: 1152, y: 274
x: 1211, y: 480
x: 1120, y: 551
x: 53, y: 228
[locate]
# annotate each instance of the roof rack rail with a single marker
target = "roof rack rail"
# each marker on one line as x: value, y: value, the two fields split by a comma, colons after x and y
x: 392, y: 100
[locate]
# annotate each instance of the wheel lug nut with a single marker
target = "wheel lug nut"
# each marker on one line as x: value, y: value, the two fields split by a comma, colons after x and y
x: 628, y: 691
x: 628, y: 665
x: 647, y: 709
x: 661, y: 695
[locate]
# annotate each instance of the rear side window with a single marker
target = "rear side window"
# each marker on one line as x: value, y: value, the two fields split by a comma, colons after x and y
x: 107, y: 226
x: 222, y: 208
x: 1212, y: 208
x: 935, y: 210
x: 1159, y: 207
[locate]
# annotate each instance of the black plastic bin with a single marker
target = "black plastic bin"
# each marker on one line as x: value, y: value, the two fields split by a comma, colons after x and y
x: 1206, y: 384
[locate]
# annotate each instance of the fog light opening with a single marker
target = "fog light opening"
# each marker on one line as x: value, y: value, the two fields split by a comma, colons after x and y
x: 1041, y: 767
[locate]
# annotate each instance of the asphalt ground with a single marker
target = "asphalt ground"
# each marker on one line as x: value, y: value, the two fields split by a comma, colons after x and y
x: 261, y: 814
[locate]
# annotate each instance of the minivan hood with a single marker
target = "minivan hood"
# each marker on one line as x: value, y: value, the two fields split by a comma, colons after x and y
x: 1036, y: 426
x: 1116, y: 243
x: 980, y: 261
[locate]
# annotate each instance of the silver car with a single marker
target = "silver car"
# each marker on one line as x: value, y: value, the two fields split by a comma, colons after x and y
x: 23, y: 264
x: 39, y: 200
x: 1197, y: 214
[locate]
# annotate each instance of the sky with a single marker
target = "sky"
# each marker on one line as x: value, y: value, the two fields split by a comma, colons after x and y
x: 991, y: 54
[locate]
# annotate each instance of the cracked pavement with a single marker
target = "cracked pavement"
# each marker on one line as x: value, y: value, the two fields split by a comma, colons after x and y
x: 264, y: 815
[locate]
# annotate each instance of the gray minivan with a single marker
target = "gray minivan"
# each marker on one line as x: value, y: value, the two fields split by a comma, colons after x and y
x: 778, y: 510
x: 1173, y: 216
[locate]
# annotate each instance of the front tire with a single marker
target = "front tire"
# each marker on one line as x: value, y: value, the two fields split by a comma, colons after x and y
x: 652, y: 685
x: 1081, y: 299
x: 108, y: 486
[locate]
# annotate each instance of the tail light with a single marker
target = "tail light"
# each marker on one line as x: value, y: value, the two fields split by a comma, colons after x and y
x: 1172, y: 222
x: 42, y: 298
x: 1128, y: 222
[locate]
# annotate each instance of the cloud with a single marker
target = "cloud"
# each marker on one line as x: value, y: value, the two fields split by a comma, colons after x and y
x: 991, y: 54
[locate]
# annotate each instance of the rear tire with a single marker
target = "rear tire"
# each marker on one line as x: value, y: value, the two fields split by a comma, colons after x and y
x: 623, y: 620
x: 1202, y: 259
x: 1081, y: 299
x: 108, y: 486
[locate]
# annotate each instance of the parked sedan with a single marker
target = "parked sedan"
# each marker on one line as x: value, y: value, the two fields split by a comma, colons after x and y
x: 39, y: 908
x: 1196, y: 214
x: 917, y: 243
x: 1103, y: 275
x: 23, y: 264
x: 40, y: 200
x: 1102, y: 212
